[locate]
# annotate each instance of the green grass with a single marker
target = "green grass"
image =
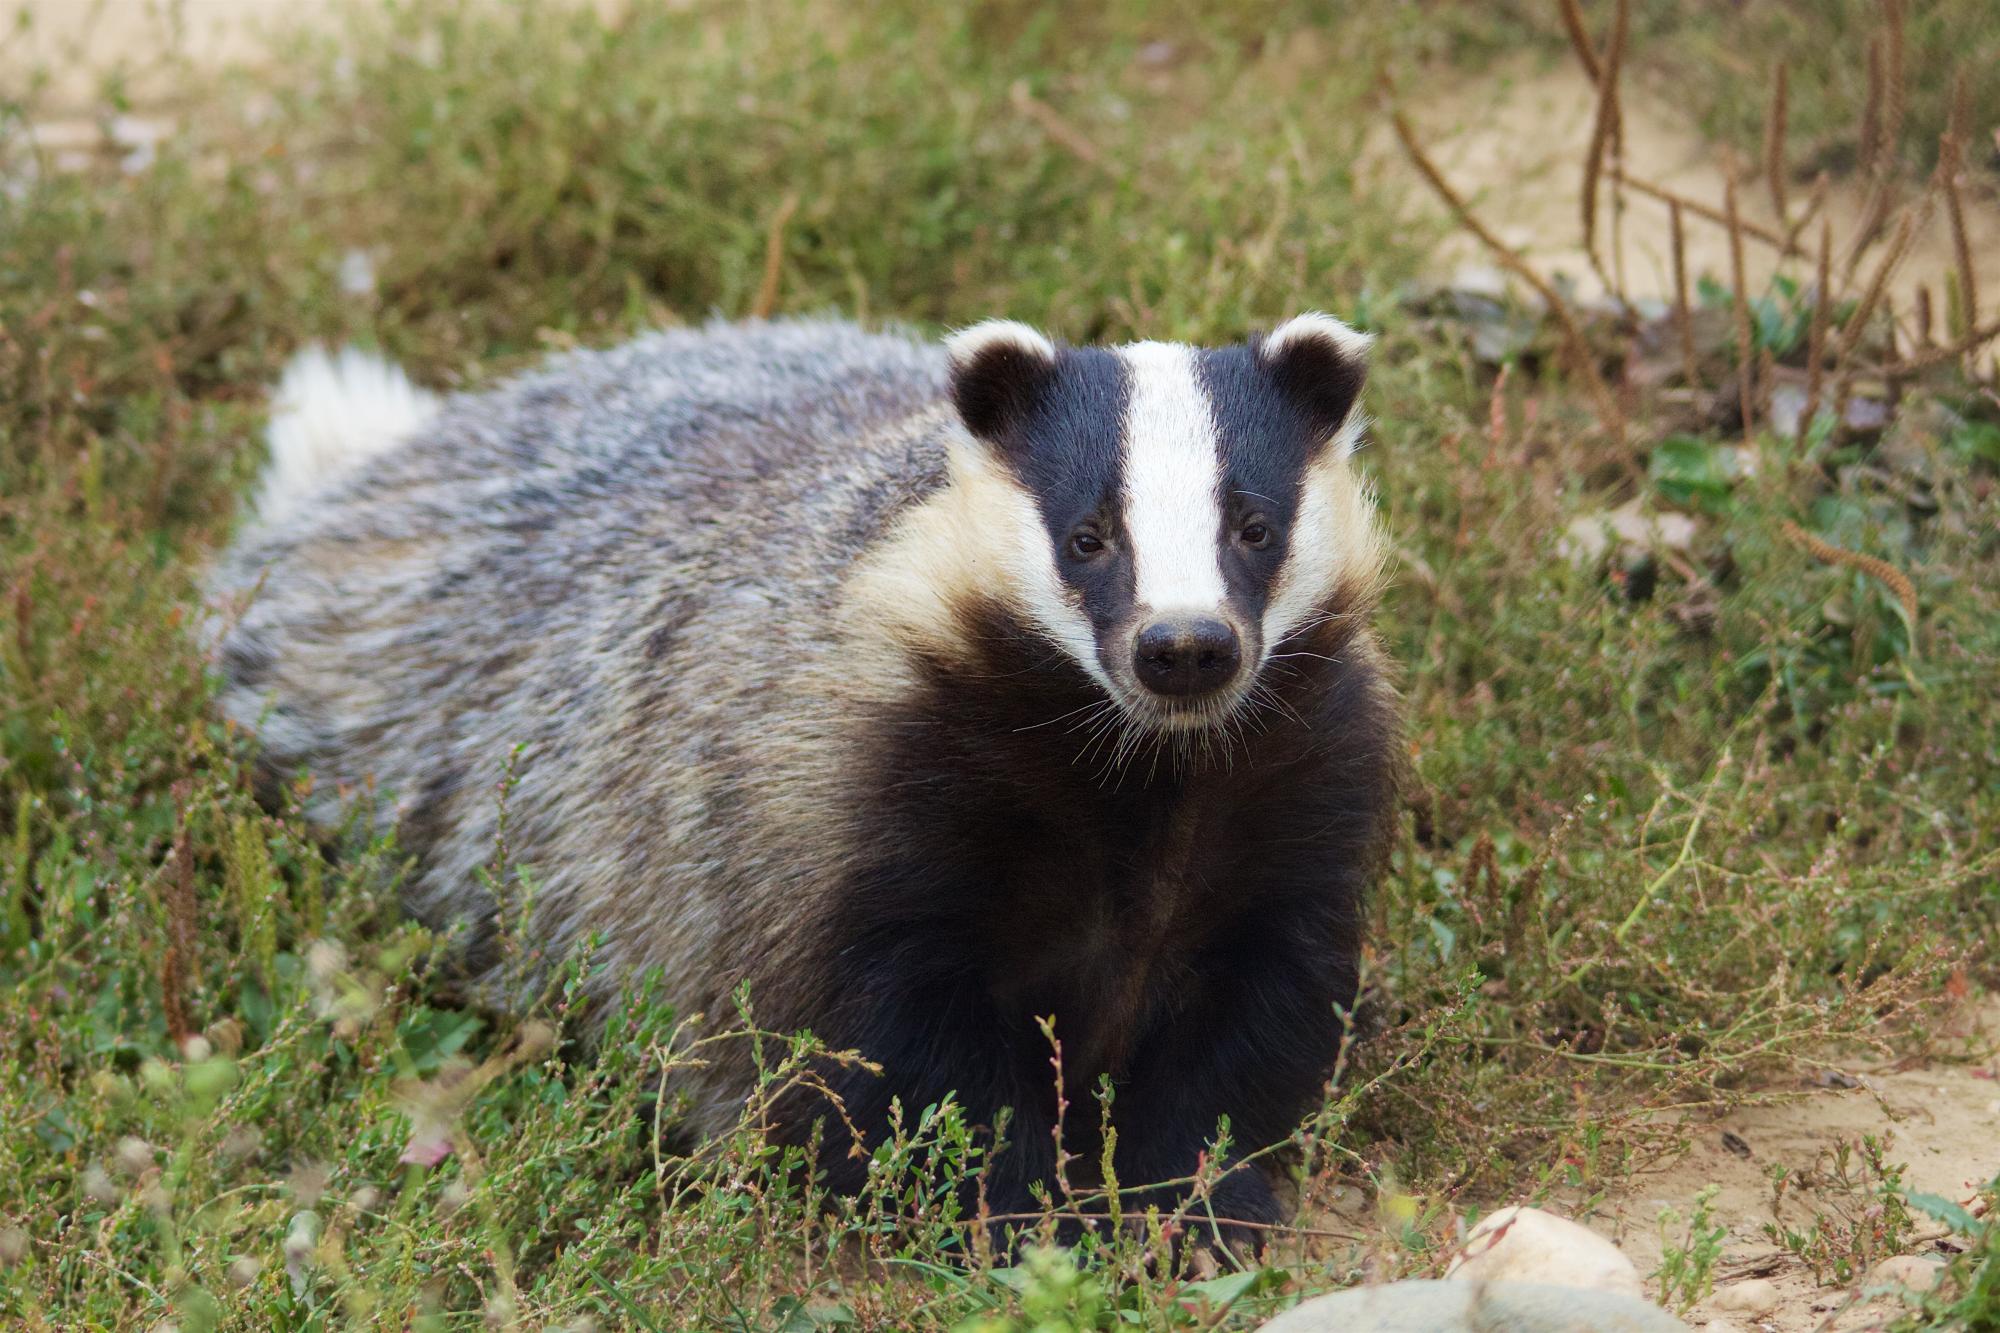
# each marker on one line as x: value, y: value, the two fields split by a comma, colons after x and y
x: 1666, y: 845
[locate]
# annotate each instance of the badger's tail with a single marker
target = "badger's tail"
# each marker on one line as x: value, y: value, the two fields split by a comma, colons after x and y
x: 331, y: 412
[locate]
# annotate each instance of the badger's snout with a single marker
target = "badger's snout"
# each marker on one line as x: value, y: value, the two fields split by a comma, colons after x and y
x: 1186, y: 657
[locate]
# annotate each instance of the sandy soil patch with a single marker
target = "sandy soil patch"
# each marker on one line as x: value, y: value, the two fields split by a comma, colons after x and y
x: 1513, y: 143
x: 1943, y: 1118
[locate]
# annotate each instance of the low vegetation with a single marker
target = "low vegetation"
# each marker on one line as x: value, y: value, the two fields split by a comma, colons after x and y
x: 1692, y: 812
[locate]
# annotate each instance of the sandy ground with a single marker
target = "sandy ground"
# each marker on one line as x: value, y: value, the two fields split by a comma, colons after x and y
x: 1943, y: 1121
x: 75, y: 43
x: 1512, y: 142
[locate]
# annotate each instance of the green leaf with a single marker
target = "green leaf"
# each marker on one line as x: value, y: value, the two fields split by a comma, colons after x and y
x: 1945, y: 1211
x: 1224, y: 1291
x: 1690, y: 472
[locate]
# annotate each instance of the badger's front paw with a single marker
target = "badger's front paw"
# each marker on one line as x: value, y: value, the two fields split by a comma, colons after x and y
x: 1241, y: 1213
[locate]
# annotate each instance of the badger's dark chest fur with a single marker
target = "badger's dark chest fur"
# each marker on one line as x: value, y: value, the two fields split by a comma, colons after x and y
x: 1008, y: 877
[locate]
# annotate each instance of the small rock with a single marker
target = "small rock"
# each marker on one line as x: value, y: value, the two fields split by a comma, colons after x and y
x: 1474, y: 1307
x: 1908, y: 1270
x: 1529, y: 1245
x: 1634, y: 531
x: 1753, y: 1296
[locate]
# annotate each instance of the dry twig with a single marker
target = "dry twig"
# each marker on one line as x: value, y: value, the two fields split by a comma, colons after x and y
x: 1881, y: 570
x: 1579, y: 39
x: 1578, y: 350
x: 1951, y: 161
x: 1857, y: 324
x: 1739, y: 286
x: 1601, y: 133
x: 1755, y: 231
x: 1937, y: 356
x: 1067, y: 135
x: 1683, y: 312
x: 1774, y: 147
x: 1816, y: 332
x: 774, y: 259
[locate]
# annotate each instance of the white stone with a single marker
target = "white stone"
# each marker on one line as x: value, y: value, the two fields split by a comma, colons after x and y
x: 1753, y: 1296
x: 1589, y: 536
x: 1909, y: 1270
x: 1474, y: 1307
x: 1528, y: 1245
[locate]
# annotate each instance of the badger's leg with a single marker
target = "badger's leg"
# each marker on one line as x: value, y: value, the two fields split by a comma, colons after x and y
x: 913, y: 1003
x: 1256, y: 1046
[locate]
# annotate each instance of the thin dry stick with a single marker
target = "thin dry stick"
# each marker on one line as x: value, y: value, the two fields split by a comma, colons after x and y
x: 1816, y: 332
x: 1897, y: 581
x: 1579, y: 39
x: 1951, y: 161
x: 1774, y: 146
x: 1600, y: 134
x: 1573, y: 341
x: 1871, y: 110
x: 1746, y: 365
x: 1881, y: 131
x: 774, y: 259
x: 1707, y: 211
x: 1683, y: 313
x: 1857, y: 324
x: 177, y: 960
x: 1053, y: 125
x: 1892, y: 76
x: 1815, y: 205
x: 1924, y: 338
x: 1937, y: 356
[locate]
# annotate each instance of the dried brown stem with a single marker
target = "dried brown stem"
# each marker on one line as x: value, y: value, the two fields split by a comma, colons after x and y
x: 1897, y: 581
x: 1774, y: 146
x: 1816, y: 332
x: 1857, y: 324
x: 1574, y: 344
x: 1683, y: 312
x: 1871, y: 110
x: 1053, y: 125
x: 1951, y: 161
x: 1892, y: 74
x: 1815, y: 205
x: 1709, y: 212
x: 1739, y: 287
x: 1937, y: 356
x: 774, y: 259
x: 177, y: 961
x: 1601, y: 132
x: 1874, y: 216
x: 1579, y: 39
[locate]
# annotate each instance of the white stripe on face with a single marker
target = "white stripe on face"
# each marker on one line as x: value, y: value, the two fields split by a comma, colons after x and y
x: 1173, y: 481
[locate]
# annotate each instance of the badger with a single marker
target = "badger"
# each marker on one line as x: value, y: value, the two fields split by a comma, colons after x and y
x: 923, y: 694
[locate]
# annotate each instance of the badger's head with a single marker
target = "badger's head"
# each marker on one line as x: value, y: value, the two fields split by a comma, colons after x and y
x: 1175, y: 519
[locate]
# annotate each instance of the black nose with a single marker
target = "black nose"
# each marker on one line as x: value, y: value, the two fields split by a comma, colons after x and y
x: 1186, y: 657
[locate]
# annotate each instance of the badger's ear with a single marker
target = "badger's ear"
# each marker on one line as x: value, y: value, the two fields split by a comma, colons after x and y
x: 1320, y: 364
x: 999, y: 369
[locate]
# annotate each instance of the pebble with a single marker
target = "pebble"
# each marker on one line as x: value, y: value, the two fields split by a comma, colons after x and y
x: 1590, y: 536
x: 1910, y: 1270
x: 1753, y: 1296
x: 1474, y: 1307
x: 1529, y: 1245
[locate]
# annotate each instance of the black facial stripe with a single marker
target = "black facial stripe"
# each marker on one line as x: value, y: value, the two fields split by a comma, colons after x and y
x: 1267, y: 441
x: 1068, y: 451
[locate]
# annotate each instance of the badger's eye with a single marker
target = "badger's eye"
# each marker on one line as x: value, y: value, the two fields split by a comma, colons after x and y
x: 1086, y: 544
x: 1255, y: 535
